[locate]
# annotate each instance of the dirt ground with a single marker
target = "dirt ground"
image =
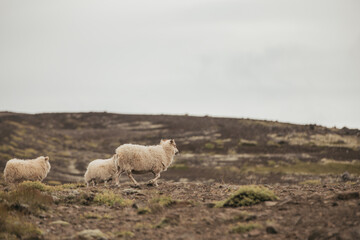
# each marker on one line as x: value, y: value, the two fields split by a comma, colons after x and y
x: 313, y: 170
x: 324, y: 211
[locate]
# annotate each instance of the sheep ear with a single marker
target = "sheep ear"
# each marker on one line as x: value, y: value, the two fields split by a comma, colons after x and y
x: 172, y: 141
x: 46, y: 158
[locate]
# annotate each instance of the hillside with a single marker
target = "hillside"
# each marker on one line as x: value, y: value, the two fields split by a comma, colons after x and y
x: 302, y: 165
x: 211, y: 148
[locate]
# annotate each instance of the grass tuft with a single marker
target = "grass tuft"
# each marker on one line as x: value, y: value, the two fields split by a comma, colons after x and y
x: 124, y: 234
x: 111, y: 199
x: 13, y: 226
x: 27, y: 199
x: 248, y: 195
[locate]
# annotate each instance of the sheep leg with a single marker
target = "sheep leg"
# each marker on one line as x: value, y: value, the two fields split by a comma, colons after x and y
x: 117, y: 178
x: 93, y: 183
x: 87, y: 184
x: 105, y: 182
x: 132, y: 178
x: 154, y: 180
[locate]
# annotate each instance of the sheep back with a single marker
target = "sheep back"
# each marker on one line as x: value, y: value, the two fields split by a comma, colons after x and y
x: 17, y: 170
x: 100, y: 170
x: 141, y: 159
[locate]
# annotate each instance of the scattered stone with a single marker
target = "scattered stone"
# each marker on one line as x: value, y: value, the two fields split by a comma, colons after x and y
x: 91, y: 234
x: 60, y: 222
x: 348, y: 195
x: 271, y: 229
x: 129, y: 191
x: 135, y: 206
x: 254, y: 233
x: 270, y: 203
x: 346, y: 176
x: 183, y: 180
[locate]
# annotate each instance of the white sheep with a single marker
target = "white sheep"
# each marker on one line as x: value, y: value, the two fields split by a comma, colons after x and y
x: 101, y: 170
x: 140, y: 159
x: 17, y: 170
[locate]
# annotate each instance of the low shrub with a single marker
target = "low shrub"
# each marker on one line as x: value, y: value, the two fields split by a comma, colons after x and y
x: 248, y: 195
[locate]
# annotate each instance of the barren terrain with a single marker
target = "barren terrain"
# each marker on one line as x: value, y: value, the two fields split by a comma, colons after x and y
x: 303, y: 165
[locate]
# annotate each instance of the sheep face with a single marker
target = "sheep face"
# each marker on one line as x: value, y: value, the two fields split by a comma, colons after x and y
x: 46, y: 160
x: 170, y: 143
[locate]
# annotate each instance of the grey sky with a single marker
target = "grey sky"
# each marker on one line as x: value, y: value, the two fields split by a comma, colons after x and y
x: 293, y: 61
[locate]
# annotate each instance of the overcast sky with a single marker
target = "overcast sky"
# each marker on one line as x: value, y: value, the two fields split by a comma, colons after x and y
x: 285, y: 60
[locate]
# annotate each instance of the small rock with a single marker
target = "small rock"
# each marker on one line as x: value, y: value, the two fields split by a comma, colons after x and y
x: 254, y: 233
x: 183, y: 180
x: 346, y: 176
x: 91, y: 234
x: 60, y: 222
x: 348, y: 195
x: 135, y: 206
x: 131, y: 191
x: 271, y: 229
x: 270, y: 203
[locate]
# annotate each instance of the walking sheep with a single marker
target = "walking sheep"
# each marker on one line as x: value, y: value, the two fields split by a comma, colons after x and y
x: 17, y: 170
x: 101, y: 170
x: 140, y: 159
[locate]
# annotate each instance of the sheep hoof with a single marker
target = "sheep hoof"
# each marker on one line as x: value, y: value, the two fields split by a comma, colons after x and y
x: 135, y: 186
x: 151, y: 183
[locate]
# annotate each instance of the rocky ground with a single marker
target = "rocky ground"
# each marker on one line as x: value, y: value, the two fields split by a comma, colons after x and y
x: 176, y: 210
x: 314, y: 172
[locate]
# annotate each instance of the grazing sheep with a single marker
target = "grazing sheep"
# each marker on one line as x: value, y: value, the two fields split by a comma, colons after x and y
x: 139, y: 159
x: 17, y: 170
x: 101, y: 170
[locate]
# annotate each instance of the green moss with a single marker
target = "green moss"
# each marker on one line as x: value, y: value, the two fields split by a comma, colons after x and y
x: 111, y: 199
x: 244, y: 227
x: 163, y: 201
x: 248, y: 195
x: 157, y: 204
x: 139, y: 226
x: 90, y: 215
x: 124, y: 234
x: 34, y: 185
x: 219, y: 143
x: 54, y: 183
x: 209, y: 146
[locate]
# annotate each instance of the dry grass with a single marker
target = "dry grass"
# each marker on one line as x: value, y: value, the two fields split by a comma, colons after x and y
x: 244, y: 227
x: 321, y: 140
x: 311, y: 182
x: 27, y: 199
x: 316, y: 168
